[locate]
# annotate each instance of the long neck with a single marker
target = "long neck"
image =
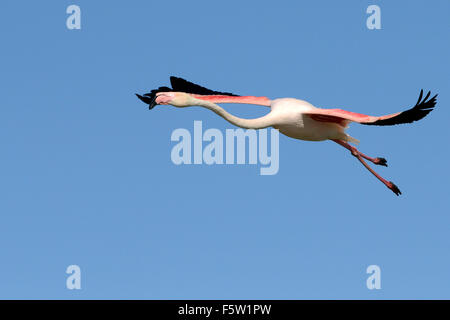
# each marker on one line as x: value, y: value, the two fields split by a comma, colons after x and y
x: 258, y: 123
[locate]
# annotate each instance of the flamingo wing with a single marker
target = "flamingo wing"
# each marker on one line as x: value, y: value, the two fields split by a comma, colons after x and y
x: 201, y: 93
x: 180, y: 85
x: 343, y: 117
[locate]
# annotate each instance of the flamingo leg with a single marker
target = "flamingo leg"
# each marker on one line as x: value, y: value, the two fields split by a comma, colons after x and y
x: 378, y: 160
x: 360, y: 157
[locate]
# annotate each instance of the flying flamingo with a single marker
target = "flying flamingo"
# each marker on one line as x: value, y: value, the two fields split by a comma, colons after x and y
x: 295, y: 118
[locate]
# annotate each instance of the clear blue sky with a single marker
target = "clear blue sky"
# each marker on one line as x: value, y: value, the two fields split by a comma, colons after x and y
x: 86, y: 175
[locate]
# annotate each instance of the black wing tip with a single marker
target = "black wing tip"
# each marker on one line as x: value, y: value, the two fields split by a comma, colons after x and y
x: 422, y: 108
x: 181, y: 85
x: 147, y: 99
x: 173, y: 78
x: 144, y: 99
x: 425, y: 103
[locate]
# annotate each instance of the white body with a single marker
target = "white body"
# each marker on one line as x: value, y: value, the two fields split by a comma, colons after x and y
x: 291, y: 121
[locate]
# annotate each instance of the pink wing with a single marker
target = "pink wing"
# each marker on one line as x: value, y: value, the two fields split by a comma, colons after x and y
x: 343, y: 117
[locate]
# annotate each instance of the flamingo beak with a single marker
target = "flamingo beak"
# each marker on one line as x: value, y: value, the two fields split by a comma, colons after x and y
x: 151, y: 102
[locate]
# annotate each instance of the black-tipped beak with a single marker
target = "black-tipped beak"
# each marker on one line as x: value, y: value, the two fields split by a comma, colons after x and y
x: 151, y: 102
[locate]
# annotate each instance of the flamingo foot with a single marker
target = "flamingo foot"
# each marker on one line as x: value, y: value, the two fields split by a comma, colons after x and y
x: 394, y: 188
x: 381, y: 162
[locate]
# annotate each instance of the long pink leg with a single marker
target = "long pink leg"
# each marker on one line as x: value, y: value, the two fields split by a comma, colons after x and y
x: 378, y: 160
x: 360, y: 157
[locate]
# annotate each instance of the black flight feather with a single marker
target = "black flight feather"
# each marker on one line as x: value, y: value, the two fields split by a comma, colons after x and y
x: 179, y: 85
x: 419, y: 111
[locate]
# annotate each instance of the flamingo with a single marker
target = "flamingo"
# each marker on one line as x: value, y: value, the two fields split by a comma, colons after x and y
x: 294, y: 118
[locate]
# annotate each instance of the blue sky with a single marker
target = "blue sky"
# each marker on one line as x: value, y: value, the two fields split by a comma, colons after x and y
x: 87, y: 179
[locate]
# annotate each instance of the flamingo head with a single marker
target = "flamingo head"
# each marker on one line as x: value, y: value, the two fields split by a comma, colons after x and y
x: 176, y: 99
